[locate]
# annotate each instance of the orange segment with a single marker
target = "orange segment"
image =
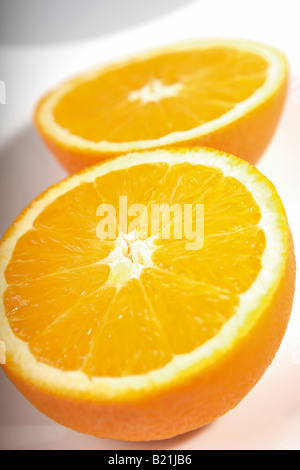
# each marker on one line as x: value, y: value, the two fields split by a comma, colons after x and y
x: 189, y: 312
x: 136, y: 184
x: 229, y: 261
x: 102, y: 331
x: 131, y: 335
x: 66, y: 342
x: 72, y: 288
x: 224, y: 93
x: 57, y: 253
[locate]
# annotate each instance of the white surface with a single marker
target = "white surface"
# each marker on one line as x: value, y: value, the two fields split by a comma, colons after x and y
x: 269, y: 417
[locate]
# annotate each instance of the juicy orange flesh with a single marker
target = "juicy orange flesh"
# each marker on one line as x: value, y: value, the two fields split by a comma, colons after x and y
x: 148, y: 99
x: 60, y: 298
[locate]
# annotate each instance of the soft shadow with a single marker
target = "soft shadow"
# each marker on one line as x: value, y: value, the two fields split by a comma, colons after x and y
x: 33, y: 21
x: 178, y: 442
x: 26, y: 169
x: 187, y: 441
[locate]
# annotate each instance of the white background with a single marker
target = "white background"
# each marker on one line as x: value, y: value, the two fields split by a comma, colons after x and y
x: 269, y: 417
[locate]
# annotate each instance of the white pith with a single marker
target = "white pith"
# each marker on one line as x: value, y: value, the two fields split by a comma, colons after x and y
x: 275, y: 75
x: 105, y: 388
x: 129, y: 257
x: 154, y: 91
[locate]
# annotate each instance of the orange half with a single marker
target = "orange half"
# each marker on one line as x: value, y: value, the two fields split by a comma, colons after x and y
x: 224, y: 93
x: 143, y: 337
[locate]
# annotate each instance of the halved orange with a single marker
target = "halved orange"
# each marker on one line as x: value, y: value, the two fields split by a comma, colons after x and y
x: 140, y: 338
x: 224, y: 93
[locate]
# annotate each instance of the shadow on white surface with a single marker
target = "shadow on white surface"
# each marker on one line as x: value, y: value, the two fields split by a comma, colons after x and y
x: 41, y: 22
x: 26, y: 169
